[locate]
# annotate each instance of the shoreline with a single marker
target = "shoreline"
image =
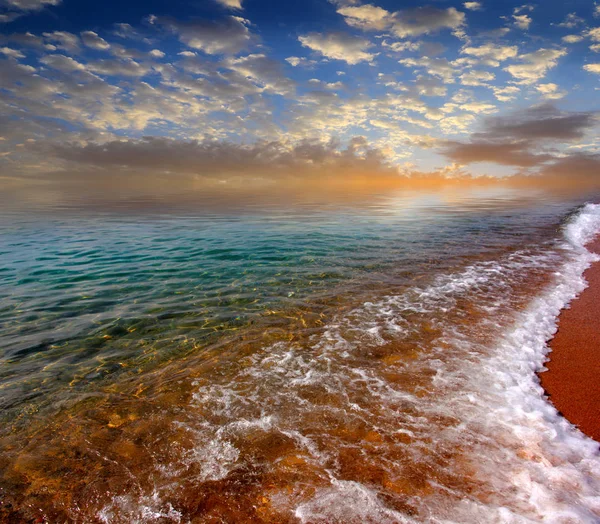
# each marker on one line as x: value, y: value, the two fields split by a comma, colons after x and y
x: 572, y: 379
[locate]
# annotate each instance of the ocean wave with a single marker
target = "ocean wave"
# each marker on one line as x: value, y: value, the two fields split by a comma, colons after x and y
x: 422, y: 406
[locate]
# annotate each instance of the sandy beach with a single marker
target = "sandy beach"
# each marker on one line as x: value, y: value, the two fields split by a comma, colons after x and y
x: 573, y: 375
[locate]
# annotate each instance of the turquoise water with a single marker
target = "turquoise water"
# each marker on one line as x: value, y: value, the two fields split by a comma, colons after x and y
x: 98, y: 303
x: 70, y: 282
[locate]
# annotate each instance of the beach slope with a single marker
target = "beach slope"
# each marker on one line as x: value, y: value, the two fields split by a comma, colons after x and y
x: 572, y: 381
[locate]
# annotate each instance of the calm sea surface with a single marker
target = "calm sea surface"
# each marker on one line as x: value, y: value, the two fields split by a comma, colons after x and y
x: 369, y: 361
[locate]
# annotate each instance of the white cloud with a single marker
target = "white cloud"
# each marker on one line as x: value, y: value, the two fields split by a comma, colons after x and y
x: 366, y: 17
x: 93, y: 41
x: 407, y: 23
x: 28, y: 5
x: 592, y: 68
x: 231, y: 4
x: 400, y: 47
x: 550, y: 91
x: 339, y: 46
x: 64, y: 40
x: 462, y: 96
x: 594, y: 34
x: 262, y: 70
x: 473, y: 6
x: 477, y: 78
x: 493, y: 52
x: 535, y: 65
x: 157, y: 53
x: 335, y: 86
x: 495, y: 33
x: 127, y: 68
x: 571, y: 21
x: 505, y: 94
x: 6, y: 18
x: 296, y: 61
x: 63, y: 63
x: 457, y: 124
x: 572, y: 39
x: 13, y: 53
x: 479, y: 107
x: 522, y: 21
x: 430, y: 87
x: 595, y: 48
x: 228, y: 36
x: 524, y: 7
x: 425, y: 20
x: 127, y: 31
x: 434, y: 66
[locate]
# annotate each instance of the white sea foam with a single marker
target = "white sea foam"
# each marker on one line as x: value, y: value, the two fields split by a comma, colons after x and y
x: 539, y: 466
x: 477, y: 411
x: 347, y: 501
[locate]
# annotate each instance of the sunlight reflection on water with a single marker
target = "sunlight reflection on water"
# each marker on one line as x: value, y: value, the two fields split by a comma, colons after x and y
x: 116, y: 321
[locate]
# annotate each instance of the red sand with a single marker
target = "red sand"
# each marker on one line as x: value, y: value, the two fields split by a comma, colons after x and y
x: 573, y: 377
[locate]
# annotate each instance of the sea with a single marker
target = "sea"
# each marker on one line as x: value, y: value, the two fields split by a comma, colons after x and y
x: 369, y: 360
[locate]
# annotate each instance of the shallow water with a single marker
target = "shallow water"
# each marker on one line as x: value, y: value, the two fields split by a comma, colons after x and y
x: 316, y: 362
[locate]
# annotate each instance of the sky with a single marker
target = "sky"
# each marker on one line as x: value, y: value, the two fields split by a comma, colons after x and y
x: 267, y: 88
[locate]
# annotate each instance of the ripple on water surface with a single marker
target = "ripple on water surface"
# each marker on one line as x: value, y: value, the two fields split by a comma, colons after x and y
x: 334, y: 367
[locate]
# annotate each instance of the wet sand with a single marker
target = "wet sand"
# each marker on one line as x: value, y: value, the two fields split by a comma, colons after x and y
x: 573, y: 377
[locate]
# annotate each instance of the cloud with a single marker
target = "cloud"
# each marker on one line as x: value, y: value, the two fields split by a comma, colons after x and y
x: 64, y: 40
x: 571, y: 21
x: 594, y: 34
x: 550, y: 91
x: 522, y: 21
x: 231, y: 4
x: 479, y: 107
x: 28, y: 40
x: 368, y: 17
x: 218, y: 83
x: 495, y: 33
x: 503, y: 154
x: 476, y: 78
x: 430, y: 87
x: 339, y: 46
x: 439, y: 67
x: 505, y: 94
x: 63, y: 63
x: 544, y: 122
x: 297, y: 61
x: 575, y: 166
x: 28, y: 5
x: 516, y: 140
x: 491, y: 52
x: 407, y: 23
x: 93, y: 41
x: 222, y: 37
x: 535, y: 65
x: 572, y: 39
x: 473, y: 6
x: 592, y: 68
x: 13, y: 53
x: 263, y: 70
x: 425, y: 20
x: 127, y: 67
x: 400, y: 47
x: 127, y: 31
x: 208, y: 158
x: 6, y: 18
